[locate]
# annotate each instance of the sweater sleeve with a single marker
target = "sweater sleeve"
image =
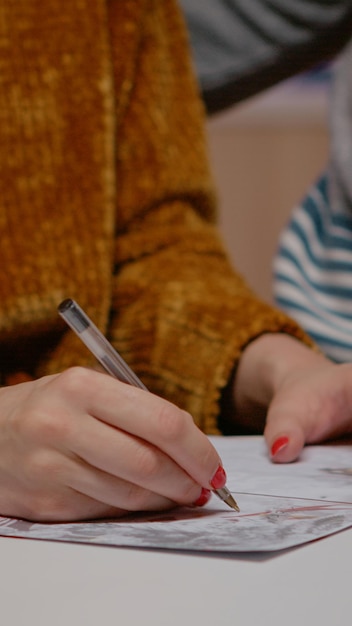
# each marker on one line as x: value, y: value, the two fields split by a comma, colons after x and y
x: 180, y: 314
x: 241, y: 47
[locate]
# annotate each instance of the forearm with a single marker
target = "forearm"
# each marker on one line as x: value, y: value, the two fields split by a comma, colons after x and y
x: 182, y: 317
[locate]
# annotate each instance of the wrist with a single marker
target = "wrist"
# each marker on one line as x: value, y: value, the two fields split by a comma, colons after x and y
x: 265, y: 363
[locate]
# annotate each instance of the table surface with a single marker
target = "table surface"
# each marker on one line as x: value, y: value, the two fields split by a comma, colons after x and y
x: 46, y: 583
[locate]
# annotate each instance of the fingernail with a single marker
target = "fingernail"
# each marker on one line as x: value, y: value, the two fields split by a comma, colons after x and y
x: 279, y: 444
x: 219, y: 479
x: 203, y: 498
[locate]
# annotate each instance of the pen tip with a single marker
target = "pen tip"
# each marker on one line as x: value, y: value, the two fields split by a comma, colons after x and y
x: 232, y: 503
x: 225, y: 495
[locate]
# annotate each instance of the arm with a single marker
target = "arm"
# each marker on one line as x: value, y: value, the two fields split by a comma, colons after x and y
x: 241, y: 48
x: 181, y: 315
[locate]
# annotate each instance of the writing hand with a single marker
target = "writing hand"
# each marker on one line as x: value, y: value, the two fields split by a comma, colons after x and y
x: 82, y: 445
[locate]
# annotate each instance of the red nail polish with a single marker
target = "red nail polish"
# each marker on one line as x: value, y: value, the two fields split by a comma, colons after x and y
x: 279, y: 444
x: 203, y: 498
x: 219, y: 479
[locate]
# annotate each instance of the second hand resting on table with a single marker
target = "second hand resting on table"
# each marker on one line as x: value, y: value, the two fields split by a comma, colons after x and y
x: 81, y: 444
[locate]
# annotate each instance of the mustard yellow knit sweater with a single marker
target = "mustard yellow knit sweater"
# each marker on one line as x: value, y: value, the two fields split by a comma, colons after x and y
x: 106, y: 198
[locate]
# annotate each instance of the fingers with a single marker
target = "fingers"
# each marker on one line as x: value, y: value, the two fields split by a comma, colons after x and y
x: 120, y: 495
x: 285, y: 437
x: 146, y: 417
x: 54, y: 506
x: 54, y: 487
x: 69, y: 489
x: 310, y: 407
x: 139, y: 463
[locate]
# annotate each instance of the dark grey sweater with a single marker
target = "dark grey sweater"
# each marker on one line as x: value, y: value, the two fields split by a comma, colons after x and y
x: 244, y: 46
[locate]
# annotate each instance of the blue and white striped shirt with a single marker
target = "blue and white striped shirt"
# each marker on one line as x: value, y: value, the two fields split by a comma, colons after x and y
x: 313, y: 272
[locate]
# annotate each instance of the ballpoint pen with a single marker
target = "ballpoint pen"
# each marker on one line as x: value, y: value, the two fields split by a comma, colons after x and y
x: 112, y: 361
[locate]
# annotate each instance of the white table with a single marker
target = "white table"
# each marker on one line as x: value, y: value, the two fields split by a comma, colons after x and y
x: 55, y: 584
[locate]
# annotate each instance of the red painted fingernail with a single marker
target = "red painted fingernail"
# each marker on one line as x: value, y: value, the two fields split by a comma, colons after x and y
x: 203, y: 498
x: 278, y: 445
x: 219, y: 478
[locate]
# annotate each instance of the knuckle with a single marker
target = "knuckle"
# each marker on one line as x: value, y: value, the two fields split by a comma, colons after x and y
x: 208, y: 460
x: 46, y: 426
x: 75, y: 380
x: 188, y: 492
x: 44, y: 507
x: 44, y: 417
x: 136, y: 498
x: 43, y: 466
x: 146, y: 462
x: 173, y: 423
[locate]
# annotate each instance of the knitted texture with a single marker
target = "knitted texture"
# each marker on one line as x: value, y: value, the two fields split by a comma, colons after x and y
x: 106, y: 197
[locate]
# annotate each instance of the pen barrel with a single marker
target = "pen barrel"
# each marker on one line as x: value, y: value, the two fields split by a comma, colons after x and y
x: 98, y: 345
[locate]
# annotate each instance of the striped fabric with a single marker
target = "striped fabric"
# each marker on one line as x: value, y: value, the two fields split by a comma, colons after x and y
x: 313, y: 272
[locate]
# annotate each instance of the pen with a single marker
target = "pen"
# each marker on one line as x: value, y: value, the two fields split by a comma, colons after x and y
x: 112, y: 361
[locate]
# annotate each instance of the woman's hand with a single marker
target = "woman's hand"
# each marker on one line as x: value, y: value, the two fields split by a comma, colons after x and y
x: 297, y: 395
x: 82, y: 445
